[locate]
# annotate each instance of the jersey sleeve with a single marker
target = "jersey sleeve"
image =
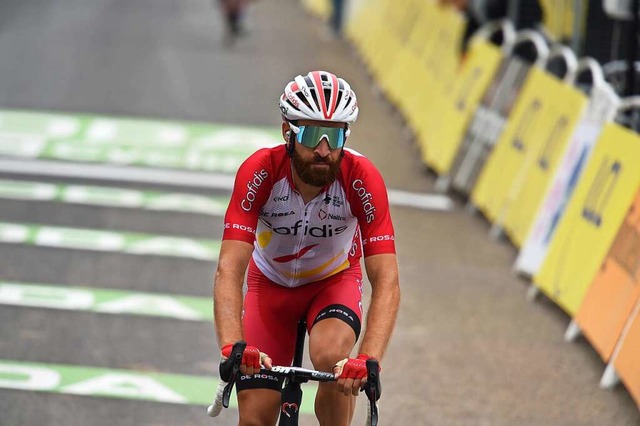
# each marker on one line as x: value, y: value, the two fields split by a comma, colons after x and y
x: 370, y: 204
x: 250, y: 192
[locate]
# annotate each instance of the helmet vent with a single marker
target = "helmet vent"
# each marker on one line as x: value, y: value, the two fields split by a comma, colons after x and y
x: 327, y: 98
x: 308, y: 80
x: 303, y: 99
x: 315, y: 97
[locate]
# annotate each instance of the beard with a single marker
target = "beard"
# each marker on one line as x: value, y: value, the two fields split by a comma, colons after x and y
x: 318, y: 177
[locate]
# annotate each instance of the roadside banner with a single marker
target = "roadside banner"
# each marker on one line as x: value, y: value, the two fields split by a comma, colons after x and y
x: 541, y: 158
x: 488, y: 122
x: 519, y: 139
x: 601, y: 109
x: 454, y: 113
x: 320, y: 8
x: 388, y: 42
x: 376, y: 44
x: 360, y: 25
x: 592, y: 219
x: 433, y: 77
x: 559, y: 17
x: 412, y: 53
x: 615, y: 290
x: 567, y: 175
x: 407, y: 66
x: 626, y: 362
x: 406, y: 32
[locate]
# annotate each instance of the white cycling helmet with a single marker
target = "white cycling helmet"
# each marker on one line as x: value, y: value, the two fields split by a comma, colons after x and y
x: 319, y: 95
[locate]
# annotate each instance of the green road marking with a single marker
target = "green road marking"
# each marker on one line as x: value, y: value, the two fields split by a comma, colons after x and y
x: 108, y: 241
x: 106, y: 301
x: 121, y: 384
x: 170, y: 144
x: 114, y: 197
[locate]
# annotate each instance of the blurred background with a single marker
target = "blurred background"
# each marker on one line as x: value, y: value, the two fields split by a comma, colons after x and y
x: 506, y: 132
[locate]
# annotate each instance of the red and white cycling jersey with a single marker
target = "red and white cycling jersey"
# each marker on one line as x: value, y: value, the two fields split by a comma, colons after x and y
x: 297, y: 243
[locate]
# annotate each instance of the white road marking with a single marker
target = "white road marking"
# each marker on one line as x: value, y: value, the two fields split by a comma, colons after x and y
x: 182, y: 178
x: 420, y: 201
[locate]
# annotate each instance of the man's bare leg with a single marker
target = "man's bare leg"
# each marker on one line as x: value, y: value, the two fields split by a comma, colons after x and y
x: 258, y: 407
x: 330, y: 341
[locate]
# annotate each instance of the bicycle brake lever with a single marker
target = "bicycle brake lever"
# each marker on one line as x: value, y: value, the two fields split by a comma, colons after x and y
x: 229, y: 370
x: 373, y: 389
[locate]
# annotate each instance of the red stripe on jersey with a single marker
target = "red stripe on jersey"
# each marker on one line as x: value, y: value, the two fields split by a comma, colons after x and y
x: 298, y: 255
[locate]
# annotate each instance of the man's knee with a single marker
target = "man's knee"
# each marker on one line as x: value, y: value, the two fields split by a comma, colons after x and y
x: 258, y: 407
x: 331, y: 341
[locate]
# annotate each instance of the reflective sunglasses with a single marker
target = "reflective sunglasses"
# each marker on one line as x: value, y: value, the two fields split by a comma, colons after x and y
x: 310, y: 136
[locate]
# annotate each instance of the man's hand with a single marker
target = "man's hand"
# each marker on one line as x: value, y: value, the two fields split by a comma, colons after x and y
x: 251, y: 359
x: 352, y: 374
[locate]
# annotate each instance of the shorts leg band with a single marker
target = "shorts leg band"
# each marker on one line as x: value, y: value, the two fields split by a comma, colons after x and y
x: 343, y: 313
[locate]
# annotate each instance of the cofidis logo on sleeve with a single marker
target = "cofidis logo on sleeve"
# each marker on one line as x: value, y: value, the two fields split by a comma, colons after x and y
x: 366, y: 199
x: 252, y: 189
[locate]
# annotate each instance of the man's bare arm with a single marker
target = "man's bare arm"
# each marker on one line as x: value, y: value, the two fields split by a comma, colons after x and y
x: 382, y: 271
x: 227, y: 290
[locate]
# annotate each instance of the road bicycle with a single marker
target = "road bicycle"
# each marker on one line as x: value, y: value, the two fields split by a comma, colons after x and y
x: 293, y: 376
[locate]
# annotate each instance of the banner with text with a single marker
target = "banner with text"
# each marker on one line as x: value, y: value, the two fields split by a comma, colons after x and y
x: 592, y: 218
x: 559, y: 192
x: 565, y: 106
x: 520, y: 138
x: 488, y: 122
x: 455, y: 112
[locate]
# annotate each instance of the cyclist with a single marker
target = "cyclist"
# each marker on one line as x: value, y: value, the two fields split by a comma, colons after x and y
x: 233, y: 11
x: 300, y: 217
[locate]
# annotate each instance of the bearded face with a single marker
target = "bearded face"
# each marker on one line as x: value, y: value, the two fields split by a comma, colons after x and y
x: 316, y: 176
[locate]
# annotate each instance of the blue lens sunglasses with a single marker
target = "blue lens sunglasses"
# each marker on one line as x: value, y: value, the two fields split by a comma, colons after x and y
x: 310, y: 136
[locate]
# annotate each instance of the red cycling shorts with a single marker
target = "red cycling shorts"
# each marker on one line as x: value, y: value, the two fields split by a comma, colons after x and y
x: 272, y: 311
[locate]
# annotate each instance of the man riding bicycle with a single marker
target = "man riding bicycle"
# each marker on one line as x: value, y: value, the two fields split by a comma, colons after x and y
x: 301, y: 216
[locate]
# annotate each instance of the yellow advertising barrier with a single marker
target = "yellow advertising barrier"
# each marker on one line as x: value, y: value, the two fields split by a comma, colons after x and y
x: 356, y: 27
x: 382, y: 47
x: 477, y: 72
x: 441, y: 64
x: 592, y: 218
x: 615, y: 290
x: 412, y: 53
x: 363, y: 29
x: 414, y: 81
x: 400, y: 30
x: 559, y: 17
x: 401, y: 73
x: 321, y: 8
x: 520, y: 137
x: 626, y: 363
x: 564, y: 107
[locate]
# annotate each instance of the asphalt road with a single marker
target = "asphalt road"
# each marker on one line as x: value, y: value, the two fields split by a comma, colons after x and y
x: 468, y: 349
